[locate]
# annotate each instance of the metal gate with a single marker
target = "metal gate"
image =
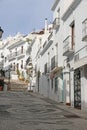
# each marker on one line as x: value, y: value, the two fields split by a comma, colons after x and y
x: 77, y: 89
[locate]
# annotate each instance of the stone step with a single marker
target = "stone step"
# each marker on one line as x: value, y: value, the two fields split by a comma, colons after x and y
x: 18, y: 90
x: 18, y: 86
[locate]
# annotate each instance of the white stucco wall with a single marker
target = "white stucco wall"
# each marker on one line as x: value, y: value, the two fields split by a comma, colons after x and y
x: 78, y: 16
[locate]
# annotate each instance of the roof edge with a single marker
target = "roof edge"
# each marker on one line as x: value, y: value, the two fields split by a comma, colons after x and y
x: 55, y: 5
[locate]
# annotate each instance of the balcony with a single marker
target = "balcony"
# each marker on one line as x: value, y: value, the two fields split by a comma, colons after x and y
x: 14, y: 55
x: 20, y: 52
x: 56, y: 23
x: 68, y: 47
x: 50, y: 37
x: 11, y: 56
x: 28, y: 60
x: 70, y: 9
x: 47, y: 43
x: 84, y: 31
x: 54, y: 65
x: 80, y: 57
x: 55, y: 5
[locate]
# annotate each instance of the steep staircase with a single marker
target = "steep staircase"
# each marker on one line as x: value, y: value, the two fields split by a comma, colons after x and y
x: 18, y: 86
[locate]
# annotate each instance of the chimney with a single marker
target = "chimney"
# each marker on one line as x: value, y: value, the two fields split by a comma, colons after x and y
x: 46, y: 25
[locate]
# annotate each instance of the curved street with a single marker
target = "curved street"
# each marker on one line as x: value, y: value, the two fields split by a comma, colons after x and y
x: 30, y: 111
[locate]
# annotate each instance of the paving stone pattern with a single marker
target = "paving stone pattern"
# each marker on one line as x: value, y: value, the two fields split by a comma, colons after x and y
x: 28, y: 111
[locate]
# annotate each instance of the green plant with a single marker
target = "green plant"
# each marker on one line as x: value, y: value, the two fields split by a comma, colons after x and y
x: 28, y: 40
x: 18, y: 73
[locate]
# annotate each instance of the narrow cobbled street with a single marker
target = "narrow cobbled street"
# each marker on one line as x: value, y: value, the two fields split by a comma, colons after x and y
x: 29, y: 111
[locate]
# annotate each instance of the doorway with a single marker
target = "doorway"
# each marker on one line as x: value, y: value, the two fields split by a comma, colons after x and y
x: 77, y: 89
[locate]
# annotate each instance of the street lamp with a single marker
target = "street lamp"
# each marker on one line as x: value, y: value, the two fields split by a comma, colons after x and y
x: 1, y: 32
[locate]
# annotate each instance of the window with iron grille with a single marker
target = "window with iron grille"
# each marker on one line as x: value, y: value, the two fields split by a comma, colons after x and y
x: 22, y: 49
x: 56, y: 84
x: 17, y: 66
x: 53, y: 63
x: 52, y: 83
x: 14, y: 66
x: 21, y: 64
x: 45, y: 68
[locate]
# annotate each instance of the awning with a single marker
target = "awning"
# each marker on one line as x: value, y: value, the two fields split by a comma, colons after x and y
x: 56, y: 69
x: 80, y: 63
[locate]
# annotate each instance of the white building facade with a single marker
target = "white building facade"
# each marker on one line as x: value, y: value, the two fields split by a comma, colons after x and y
x: 74, y: 38
x: 62, y: 63
x: 39, y: 42
x: 14, y: 55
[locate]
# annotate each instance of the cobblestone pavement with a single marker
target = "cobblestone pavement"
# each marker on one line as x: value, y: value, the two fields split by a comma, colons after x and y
x: 28, y: 111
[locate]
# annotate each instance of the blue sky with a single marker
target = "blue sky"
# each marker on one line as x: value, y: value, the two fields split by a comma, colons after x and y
x: 24, y: 15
